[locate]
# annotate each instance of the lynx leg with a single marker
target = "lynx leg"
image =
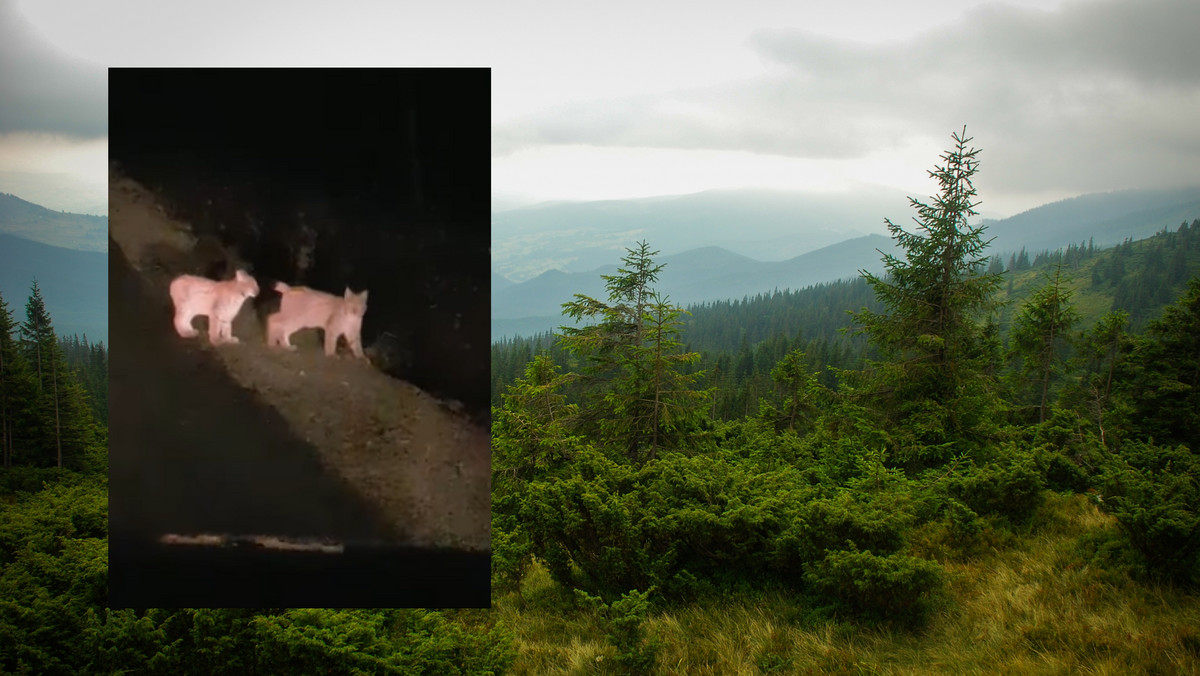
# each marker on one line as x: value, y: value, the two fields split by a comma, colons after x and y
x: 272, y: 338
x: 331, y: 339
x: 285, y: 339
x: 277, y: 335
x: 216, y: 331
x: 183, y: 324
x: 356, y: 347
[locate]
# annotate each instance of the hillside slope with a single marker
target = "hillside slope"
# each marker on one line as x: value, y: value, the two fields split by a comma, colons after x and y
x: 1104, y: 219
x: 56, y: 228
x: 73, y: 284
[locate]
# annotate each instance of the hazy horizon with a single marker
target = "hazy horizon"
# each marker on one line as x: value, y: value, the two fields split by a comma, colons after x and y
x: 1064, y: 97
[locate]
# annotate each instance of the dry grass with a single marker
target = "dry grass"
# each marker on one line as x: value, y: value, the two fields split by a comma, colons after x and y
x: 1033, y: 607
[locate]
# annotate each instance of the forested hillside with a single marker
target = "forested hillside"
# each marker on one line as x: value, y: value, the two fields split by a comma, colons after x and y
x: 987, y: 470
x: 741, y: 341
x: 54, y: 555
x: 90, y: 362
x: 990, y: 469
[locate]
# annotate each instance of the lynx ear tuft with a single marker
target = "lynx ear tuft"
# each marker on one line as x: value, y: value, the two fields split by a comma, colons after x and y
x: 349, y: 294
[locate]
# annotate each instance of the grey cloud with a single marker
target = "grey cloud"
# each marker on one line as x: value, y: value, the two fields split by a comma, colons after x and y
x: 1097, y: 95
x: 762, y: 117
x: 44, y: 91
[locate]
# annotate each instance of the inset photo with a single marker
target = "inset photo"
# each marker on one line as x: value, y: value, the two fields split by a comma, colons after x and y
x: 299, y: 337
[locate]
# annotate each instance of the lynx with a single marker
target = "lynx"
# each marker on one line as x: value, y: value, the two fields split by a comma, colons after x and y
x: 219, y: 301
x: 303, y: 308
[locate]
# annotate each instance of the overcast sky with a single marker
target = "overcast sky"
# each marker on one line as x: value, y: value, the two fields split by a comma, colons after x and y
x: 53, y: 106
x: 623, y: 99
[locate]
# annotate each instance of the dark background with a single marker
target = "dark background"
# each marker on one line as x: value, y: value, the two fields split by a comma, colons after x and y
x: 195, y: 453
x: 386, y: 175
x: 385, y: 172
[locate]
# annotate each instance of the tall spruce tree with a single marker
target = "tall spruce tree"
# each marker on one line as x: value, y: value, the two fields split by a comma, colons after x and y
x: 18, y: 391
x: 932, y: 386
x: 35, y: 329
x: 1099, y: 354
x: 1040, y: 336
x: 636, y: 396
x: 66, y: 426
x: 658, y: 405
x: 1161, y: 376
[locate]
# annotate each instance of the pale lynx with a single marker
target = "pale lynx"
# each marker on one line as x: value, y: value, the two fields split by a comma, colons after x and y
x: 304, y: 308
x: 219, y: 301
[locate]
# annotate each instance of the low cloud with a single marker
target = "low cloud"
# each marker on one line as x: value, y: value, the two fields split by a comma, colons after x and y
x: 1097, y: 95
x: 43, y: 91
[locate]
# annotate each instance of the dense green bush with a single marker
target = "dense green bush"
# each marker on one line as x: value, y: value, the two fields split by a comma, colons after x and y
x: 1154, y: 492
x: 1108, y: 550
x: 54, y: 559
x: 512, y: 553
x: 1010, y: 486
x: 844, y: 520
x: 677, y: 523
x: 53, y: 619
x: 891, y: 588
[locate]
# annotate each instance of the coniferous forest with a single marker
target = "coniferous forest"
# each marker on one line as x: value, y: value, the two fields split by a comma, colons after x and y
x: 974, y: 462
x: 54, y: 617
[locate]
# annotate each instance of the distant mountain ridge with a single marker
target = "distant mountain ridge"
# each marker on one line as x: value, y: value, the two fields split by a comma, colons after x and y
x: 710, y: 273
x: 713, y: 273
x: 73, y: 284
x: 1106, y: 218
x: 55, y: 228
x: 765, y: 225
x: 58, y: 191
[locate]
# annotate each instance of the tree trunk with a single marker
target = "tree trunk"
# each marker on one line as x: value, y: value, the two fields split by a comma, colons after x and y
x: 57, y: 426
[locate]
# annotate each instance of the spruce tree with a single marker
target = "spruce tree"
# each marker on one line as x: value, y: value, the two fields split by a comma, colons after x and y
x: 98, y: 395
x: 637, y: 397
x: 801, y: 393
x: 18, y: 391
x: 530, y: 428
x: 35, y: 330
x: 1040, y: 335
x: 66, y: 426
x: 931, y: 386
x: 1100, y: 351
x: 1161, y: 376
x: 656, y: 404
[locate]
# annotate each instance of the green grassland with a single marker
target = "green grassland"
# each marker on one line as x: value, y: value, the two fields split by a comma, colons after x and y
x: 1038, y: 600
